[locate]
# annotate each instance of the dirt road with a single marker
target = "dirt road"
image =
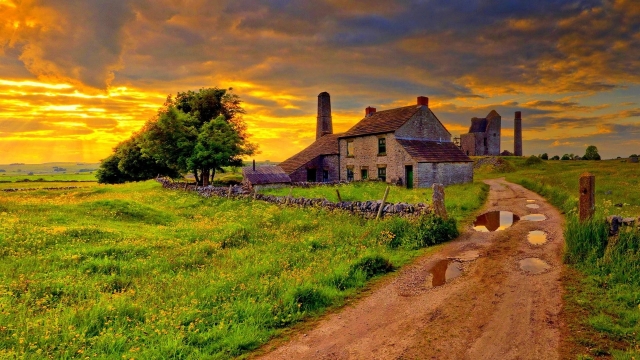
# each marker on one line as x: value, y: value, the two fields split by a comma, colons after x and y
x: 493, y: 310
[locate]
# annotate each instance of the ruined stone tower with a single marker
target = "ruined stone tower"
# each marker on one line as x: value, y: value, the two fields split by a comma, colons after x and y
x: 325, y: 124
x: 517, y: 134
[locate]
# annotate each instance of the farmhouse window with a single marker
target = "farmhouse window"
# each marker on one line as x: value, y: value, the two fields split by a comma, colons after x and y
x: 325, y: 175
x: 364, y: 174
x: 350, y: 148
x: 382, y: 146
x: 349, y: 174
x: 382, y: 173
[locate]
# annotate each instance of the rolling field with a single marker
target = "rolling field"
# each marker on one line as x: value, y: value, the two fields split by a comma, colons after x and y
x: 136, y: 271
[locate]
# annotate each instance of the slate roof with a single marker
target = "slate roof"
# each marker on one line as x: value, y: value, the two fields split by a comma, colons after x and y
x: 433, y: 151
x: 265, y: 174
x: 382, y: 121
x: 326, y: 145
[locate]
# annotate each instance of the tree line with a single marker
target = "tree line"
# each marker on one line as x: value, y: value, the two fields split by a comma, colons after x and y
x: 197, y: 132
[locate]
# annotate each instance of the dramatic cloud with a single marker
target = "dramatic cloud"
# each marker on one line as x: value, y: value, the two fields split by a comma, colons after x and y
x: 94, y: 71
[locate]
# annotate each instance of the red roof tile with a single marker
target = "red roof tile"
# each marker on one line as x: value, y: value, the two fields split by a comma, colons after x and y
x: 326, y: 145
x: 433, y: 151
x: 382, y: 121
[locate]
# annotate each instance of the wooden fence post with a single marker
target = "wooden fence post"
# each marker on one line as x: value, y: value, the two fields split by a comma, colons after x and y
x: 384, y: 199
x: 339, y: 197
x: 587, y: 196
x: 229, y: 193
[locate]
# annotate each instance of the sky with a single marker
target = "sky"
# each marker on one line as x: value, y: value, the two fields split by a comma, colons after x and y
x: 79, y: 76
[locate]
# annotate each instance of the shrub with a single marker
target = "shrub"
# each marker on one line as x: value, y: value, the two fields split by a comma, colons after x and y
x: 566, y: 157
x: 371, y: 266
x: 532, y: 160
x: 544, y: 156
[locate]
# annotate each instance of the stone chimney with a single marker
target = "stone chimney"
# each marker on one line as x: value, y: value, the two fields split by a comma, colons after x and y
x: 325, y: 124
x: 517, y: 134
x: 369, y: 111
x: 423, y: 101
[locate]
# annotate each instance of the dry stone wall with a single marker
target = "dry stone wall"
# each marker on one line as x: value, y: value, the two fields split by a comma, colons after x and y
x: 368, y: 209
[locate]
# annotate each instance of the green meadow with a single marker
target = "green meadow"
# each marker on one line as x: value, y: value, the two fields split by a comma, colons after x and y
x: 137, y: 271
x: 461, y: 200
x: 602, y: 282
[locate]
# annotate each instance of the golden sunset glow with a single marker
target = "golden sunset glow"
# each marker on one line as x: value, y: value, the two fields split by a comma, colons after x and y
x: 76, y: 79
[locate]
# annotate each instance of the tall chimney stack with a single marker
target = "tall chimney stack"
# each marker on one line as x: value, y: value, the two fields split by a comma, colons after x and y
x: 517, y: 134
x: 325, y: 124
x: 423, y: 101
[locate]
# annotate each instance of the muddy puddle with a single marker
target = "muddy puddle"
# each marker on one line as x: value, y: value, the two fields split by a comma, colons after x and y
x: 533, y: 206
x: 537, y: 237
x: 495, y: 221
x: 534, y: 266
x: 534, y: 217
x: 444, y: 271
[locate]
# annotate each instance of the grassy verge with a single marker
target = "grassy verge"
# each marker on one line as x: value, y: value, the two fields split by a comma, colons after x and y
x: 602, y: 299
x: 460, y: 200
x: 135, y: 271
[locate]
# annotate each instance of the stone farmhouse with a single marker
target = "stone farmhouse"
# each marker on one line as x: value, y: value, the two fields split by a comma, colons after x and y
x: 406, y: 146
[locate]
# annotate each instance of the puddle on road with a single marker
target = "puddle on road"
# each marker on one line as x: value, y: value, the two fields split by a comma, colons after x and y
x: 537, y: 237
x: 533, y: 206
x: 534, y: 217
x: 534, y: 266
x: 495, y: 221
x: 444, y: 271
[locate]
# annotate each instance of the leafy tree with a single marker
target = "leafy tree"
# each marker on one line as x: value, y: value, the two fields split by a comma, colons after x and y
x: 128, y: 163
x: 591, y: 153
x: 555, y: 157
x: 218, y: 145
x: 633, y: 155
x: 544, y: 156
x: 566, y: 157
x: 197, y: 132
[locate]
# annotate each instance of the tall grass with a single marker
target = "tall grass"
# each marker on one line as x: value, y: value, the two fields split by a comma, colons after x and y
x: 136, y: 271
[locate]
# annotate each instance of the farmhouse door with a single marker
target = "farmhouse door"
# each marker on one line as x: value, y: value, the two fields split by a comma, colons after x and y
x: 408, y: 170
x: 311, y: 175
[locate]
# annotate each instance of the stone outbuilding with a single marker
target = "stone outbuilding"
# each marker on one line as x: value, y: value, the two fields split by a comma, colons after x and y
x: 266, y: 175
x: 483, y: 137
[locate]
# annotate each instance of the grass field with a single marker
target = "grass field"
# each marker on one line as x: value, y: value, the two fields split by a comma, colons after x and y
x: 136, y: 271
x: 602, y: 299
x: 460, y: 200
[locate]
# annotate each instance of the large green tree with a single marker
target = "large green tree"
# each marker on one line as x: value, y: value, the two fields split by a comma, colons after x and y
x: 591, y: 153
x: 196, y: 132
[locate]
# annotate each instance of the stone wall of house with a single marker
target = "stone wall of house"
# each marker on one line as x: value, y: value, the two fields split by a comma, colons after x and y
x: 444, y: 173
x: 366, y: 157
x: 320, y: 163
x: 424, y: 125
